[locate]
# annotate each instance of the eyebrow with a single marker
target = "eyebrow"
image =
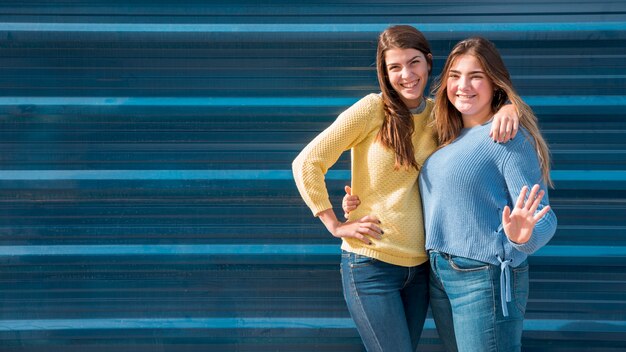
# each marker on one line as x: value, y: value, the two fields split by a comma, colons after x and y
x: 472, y: 72
x: 413, y: 58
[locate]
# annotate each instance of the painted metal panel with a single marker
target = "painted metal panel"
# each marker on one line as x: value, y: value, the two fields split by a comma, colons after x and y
x: 146, y: 200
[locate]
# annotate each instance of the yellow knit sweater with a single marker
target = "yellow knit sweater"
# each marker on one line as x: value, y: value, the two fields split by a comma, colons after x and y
x: 391, y: 195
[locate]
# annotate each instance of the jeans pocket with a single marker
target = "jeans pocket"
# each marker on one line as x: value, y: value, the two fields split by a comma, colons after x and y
x: 520, y: 286
x: 359, y: 261
x: 462, y: 264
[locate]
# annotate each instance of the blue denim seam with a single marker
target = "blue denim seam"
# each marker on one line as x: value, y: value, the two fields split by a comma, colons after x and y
x: 408, y: 278
x: 494, y: 308
x: 516, y: 275
x: 360, y: 305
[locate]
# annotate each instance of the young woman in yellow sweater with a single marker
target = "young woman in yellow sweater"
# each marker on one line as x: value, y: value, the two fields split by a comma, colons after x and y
x: 384, y: 265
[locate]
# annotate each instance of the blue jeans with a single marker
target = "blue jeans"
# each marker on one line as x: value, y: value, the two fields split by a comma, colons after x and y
x: 387, y: 302
x: 466, y: 305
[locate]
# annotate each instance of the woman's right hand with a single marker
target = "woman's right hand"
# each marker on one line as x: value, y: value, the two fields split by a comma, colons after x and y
x: 349, y: 202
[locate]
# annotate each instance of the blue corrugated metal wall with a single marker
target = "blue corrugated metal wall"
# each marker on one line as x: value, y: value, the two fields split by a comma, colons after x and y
x: 145, y: 188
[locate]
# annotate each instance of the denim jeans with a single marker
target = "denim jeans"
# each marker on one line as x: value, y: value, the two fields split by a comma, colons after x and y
x: 387, y: 302
x: 466, y: 305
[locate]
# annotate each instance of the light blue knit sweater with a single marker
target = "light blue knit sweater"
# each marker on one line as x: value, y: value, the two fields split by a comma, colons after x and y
x: 464, y: 188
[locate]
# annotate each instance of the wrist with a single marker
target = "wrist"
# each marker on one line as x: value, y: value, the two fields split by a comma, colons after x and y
x: 329, y: 220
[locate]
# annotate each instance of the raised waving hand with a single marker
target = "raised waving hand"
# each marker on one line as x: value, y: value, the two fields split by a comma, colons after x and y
x: 519, y: 223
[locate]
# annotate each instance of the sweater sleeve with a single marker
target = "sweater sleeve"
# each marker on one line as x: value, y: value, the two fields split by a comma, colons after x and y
x: 520, y: 169
x: 311, y: 165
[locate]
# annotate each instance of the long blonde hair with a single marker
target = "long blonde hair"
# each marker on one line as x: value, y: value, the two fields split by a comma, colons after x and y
x: 398, y: 126
x: 448, y: 120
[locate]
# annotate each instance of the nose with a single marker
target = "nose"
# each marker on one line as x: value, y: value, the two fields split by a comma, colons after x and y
x: 406, y: 72
x: 463, y: 83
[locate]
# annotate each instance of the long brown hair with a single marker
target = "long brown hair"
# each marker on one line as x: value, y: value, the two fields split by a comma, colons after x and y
x: 448, y: 119
x: 398, y: 126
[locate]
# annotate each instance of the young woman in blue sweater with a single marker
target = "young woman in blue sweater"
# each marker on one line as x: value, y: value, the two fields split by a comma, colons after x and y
x: 481, y: 221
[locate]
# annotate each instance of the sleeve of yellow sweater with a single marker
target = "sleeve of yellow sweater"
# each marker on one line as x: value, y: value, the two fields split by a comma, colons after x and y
x: 322, y: 152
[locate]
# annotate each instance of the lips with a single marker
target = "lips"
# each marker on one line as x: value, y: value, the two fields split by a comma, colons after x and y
x: 409, y: 85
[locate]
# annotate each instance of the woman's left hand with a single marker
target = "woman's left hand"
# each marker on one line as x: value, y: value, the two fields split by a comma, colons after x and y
x: 505, y: 124
x: 519, y: 223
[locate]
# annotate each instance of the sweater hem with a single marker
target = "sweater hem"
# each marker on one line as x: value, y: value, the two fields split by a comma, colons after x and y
x: 386, y: 257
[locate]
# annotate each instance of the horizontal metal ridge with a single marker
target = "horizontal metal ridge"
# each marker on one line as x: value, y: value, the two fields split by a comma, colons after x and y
x: 535, y: 101
x: 558, y: 325
x: 258, y: 249
x: 308, y: 27
x: 6, y: 175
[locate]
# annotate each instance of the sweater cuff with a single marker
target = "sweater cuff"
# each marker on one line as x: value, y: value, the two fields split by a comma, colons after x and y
x: 529, y: 247
x: 320, y: 206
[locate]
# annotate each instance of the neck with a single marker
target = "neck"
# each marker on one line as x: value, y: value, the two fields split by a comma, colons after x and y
x: 473, y: 121
x: 419, y: 108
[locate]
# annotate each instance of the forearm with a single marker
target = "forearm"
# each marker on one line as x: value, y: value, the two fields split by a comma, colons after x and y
x: 329, y: 219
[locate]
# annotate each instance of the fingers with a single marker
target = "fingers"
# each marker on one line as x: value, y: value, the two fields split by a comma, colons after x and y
x: 508, y: 131
x: 535, y: 205
x: 363, y: 229
x: 515, y: 128
x: 505, y: 132
x: 506, y: 215
x: 501, y: 128
x: 522, y: 196
x: 361, y: 238
x: 505, y: 125
x: 371, y: 230
x: 350, y: 203
x: 531, y: 197
x: 368, y: 225
x: 369, y: 218
x: 495, y: 128
x: 543, y: 212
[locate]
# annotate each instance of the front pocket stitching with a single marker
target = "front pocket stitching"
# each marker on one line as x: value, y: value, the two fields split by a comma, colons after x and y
x: 369, y: 261
x: 457, y: 268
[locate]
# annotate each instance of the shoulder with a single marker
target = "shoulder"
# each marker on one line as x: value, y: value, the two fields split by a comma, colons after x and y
x: 521, y: 152
x: 371, y: 102
x: 523, y: 141
x: 374, y: 101
x: 368, y: 107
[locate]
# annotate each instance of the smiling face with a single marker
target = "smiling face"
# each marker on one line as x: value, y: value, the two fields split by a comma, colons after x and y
x: 470, y: 90
x: 407, y: 70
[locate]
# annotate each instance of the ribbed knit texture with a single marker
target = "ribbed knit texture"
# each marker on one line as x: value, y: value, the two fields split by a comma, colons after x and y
x: 391, y: 195
x: 465, y: 187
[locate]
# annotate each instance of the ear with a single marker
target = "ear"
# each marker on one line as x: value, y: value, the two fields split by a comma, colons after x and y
x: 430, y: 60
